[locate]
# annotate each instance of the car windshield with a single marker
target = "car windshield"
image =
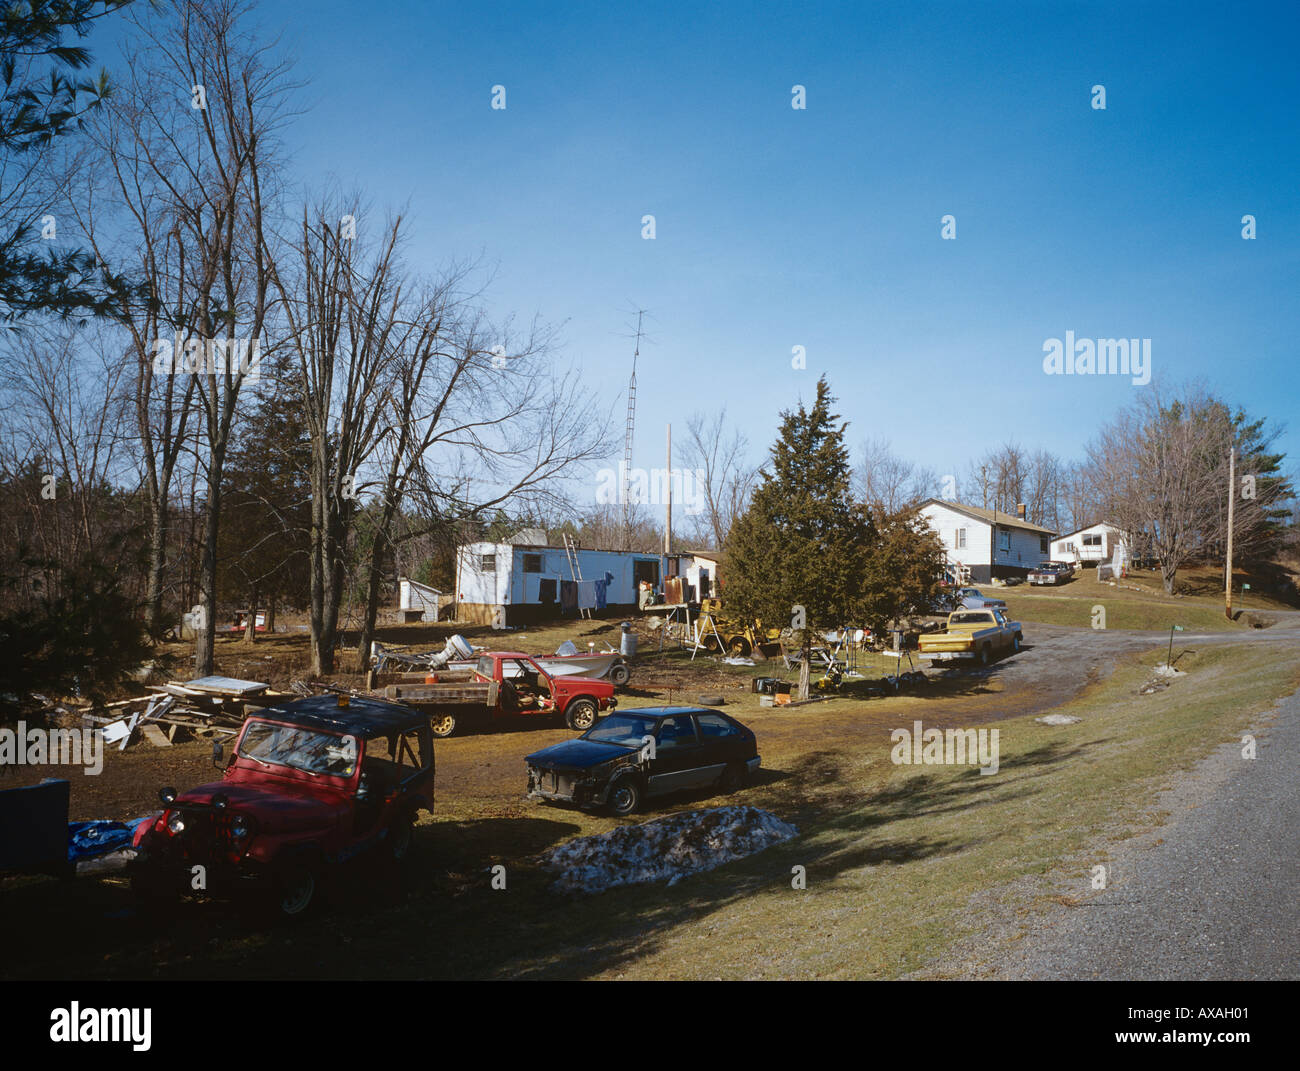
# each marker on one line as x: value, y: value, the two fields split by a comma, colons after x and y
x: 625, y: 729
x: 300, y: 749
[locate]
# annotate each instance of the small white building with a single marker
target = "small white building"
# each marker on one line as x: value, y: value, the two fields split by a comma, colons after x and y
x: 989, y: 543
x: 1097, y: 543
x: 418, y: 602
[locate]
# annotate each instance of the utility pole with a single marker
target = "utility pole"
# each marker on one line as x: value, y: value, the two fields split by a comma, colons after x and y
x: 668, y: 509
x: 1232, y: 501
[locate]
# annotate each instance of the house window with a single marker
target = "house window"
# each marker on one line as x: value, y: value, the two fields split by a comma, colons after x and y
x: 645, y: 569
x: 1042, y: 544
x: 1004, y: 541
x: 959, y: 539
x: 1092, y: 540
x: 532, y: 563
x: 487, y: 563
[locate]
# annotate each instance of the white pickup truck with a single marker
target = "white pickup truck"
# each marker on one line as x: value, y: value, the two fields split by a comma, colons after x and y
x: 976, y: 635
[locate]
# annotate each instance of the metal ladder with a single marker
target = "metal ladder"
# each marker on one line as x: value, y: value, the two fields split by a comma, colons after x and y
x: 571, y: 552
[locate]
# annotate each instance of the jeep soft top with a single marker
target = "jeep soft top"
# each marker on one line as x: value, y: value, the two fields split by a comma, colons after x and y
x: 359, y: 716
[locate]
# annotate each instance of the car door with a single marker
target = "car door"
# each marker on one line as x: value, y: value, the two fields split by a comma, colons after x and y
x: 678, y: 756
x: 722, y: 743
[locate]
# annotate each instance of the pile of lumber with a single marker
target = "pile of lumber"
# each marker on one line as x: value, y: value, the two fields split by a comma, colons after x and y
x: 207, y: 706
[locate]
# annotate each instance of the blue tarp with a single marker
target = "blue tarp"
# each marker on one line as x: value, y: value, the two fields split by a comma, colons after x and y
x: 88, y: 839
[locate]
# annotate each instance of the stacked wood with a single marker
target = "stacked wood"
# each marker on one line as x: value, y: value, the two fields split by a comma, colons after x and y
x: 208, y: 706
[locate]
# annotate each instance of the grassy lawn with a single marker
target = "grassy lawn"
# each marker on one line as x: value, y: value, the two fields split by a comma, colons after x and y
x: 1137, y: 602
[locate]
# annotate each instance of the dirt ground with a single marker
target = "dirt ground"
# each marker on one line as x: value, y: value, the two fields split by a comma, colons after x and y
x: 485, y: 769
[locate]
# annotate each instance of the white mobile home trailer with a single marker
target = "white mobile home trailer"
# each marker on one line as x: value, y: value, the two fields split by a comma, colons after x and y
x: 513, y: 584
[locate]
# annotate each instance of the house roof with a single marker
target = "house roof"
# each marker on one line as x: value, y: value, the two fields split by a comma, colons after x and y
x: 986, y: 516
x: 1095, y: 524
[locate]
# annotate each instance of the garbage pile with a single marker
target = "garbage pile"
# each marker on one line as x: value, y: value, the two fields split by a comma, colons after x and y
x: 670, y: 848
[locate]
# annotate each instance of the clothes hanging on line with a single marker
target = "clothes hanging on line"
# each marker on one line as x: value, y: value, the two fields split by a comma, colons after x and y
x: 568, y: 596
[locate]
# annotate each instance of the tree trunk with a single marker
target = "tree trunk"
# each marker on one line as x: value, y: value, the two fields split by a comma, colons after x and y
x: 803, y: 667
x: 250, y: 629
x: 204, y: 647
x: 157, y: 566
x: 270, y: 614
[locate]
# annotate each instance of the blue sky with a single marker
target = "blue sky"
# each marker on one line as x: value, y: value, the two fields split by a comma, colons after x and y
x: 821, y: 227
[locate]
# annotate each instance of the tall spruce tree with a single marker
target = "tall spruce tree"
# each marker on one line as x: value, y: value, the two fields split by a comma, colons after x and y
x: 800, y: 553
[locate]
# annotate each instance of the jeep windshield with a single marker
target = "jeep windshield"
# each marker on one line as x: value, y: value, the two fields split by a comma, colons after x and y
x: 625, y: 729
x: 299, y: 749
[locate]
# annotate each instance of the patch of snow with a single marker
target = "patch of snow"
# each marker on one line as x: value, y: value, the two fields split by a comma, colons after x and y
x: 735, y: 660
x: 1058, y: 719
x: 1166, y: 670
x: 668, y: 848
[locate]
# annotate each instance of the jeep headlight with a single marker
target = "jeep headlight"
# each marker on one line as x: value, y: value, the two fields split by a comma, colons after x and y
x: 176, y: 823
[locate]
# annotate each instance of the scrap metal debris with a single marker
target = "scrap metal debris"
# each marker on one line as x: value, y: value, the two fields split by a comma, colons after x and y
x: 668, y: 848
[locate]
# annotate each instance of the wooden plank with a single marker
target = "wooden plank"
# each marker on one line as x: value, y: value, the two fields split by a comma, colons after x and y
x: 154, y: 735
x: 130, y: 729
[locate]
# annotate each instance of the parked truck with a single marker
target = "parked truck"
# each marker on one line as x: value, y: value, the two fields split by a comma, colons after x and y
x: 505, y: 684
x: 972, y: 635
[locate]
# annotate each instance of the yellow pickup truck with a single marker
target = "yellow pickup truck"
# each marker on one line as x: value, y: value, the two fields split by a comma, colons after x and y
x: 978, y: 635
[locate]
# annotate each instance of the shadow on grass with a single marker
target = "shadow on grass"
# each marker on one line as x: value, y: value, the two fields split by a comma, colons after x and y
x: 445, y: 918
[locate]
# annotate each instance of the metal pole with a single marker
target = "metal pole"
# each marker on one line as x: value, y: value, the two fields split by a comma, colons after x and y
x: 668, y: 510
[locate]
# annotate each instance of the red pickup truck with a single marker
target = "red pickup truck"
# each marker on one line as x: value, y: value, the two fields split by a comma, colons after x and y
x: 503, y: 684
x: 309, y: 786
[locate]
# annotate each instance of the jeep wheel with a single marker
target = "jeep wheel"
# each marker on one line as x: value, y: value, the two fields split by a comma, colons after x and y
x: 400, y: 835
x: 295, y: 890
x: 619, y: 676
x: 624, y: 797
x: 442, y: 725
x: 732, y: 779
x: 148, y: 892
x: 581, y: 715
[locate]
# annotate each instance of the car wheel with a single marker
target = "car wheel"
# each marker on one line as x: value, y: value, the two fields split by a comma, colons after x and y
x: 295, y: 890
x: 620, y: 675
x: 732, y: 779
x: 984, y: 655
x: 1015, y: 642
x: 442, y: 725
x: 624, y: 797
x: 581, y: 715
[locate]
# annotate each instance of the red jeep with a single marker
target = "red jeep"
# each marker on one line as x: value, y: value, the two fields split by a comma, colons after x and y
x: 309, y: 785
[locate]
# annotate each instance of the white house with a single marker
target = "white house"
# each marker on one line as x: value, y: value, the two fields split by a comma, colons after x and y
x: 990, y: 543
x: 1096, y: 543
